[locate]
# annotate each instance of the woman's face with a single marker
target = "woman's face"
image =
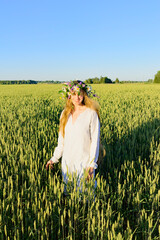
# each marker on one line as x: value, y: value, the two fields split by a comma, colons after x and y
x: 77, y: 99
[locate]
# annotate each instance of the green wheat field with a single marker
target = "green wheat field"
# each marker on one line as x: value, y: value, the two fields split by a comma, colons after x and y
x: 126, y: 202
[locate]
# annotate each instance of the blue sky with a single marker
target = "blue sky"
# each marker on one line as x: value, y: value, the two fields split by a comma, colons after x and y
x: 78, y: 39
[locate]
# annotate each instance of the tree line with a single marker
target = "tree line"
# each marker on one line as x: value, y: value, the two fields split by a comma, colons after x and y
x: 94, y: 80
x: 3, y: 82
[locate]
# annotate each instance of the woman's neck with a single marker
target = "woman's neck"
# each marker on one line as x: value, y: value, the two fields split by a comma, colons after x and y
x: 78, y: 108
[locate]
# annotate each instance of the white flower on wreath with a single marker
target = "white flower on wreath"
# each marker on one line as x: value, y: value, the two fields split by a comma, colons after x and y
x: 89, y: 88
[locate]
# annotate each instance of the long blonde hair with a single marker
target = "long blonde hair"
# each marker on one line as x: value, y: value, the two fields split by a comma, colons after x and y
x: 87, y: 101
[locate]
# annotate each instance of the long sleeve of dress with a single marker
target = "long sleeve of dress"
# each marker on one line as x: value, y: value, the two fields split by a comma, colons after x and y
x: 58, y: 150
x: 95, y: 139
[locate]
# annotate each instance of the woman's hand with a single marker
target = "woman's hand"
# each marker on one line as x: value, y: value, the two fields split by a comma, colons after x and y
x: 90, y: 173
x: 49, y: 163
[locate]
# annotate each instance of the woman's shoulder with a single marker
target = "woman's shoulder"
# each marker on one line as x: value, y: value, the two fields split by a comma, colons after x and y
x: 92, y: 112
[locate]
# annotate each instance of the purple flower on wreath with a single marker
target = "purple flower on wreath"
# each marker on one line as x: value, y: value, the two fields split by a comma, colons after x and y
x: 95, y: 95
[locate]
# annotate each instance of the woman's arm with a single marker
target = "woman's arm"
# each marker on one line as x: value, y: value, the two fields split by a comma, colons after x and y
x: 95, y: 139
x: 58, y: 150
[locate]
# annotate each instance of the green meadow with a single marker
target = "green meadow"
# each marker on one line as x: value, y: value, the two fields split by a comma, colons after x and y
x: 126, y: 201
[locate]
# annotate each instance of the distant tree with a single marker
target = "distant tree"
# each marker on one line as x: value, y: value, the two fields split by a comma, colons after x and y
x: 108, y: 80
x: 95, y: 80
x: 89, y: 80
x: 102, y: 79
x: 157, y: 77
x: 31, y: 82
x: 150, y: 81
x: 117, y: 80
x: 105, y: 80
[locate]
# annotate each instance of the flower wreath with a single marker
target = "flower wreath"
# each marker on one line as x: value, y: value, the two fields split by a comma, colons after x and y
x: 76, y: 86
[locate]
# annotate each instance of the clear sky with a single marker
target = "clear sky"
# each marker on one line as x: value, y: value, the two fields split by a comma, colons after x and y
x: 78, y: 39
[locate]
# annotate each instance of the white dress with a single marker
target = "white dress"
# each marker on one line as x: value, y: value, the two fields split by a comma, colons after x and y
x: 79, y: 148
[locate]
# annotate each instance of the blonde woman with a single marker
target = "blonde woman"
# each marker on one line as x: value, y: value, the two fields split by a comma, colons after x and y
x: 79, y: 132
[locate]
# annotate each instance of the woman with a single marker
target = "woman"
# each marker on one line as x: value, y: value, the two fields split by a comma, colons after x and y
x: 79, y: 133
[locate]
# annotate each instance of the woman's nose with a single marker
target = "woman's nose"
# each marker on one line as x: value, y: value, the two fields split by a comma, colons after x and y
x: 77, y: 96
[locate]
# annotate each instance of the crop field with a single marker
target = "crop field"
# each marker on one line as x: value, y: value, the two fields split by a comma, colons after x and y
x: 126, y: 201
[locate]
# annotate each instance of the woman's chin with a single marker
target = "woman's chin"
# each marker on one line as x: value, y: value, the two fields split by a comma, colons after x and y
x: 77, y: 103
